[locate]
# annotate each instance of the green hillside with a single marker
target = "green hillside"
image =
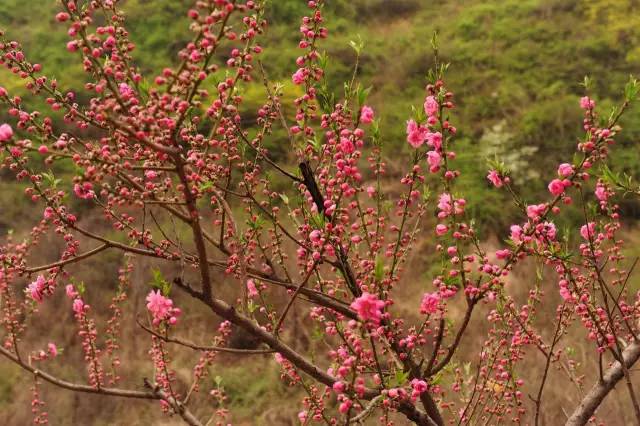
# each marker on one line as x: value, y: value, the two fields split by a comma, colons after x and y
x: 516, y: 68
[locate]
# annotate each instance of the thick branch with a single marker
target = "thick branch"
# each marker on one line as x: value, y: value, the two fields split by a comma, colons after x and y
x: 600, y: 390
x: 178, y: 406
x: 197, y: 347
x: 126, y: 393
x: 153, y: 393
x: 64, y: 262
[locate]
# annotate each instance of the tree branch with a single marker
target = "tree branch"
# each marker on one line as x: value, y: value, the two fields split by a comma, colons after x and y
x: 600, y: 390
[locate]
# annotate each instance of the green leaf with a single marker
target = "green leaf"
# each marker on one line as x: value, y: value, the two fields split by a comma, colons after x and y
x: 631, y: 89
x: 363, y: 94
x: 379, y: 268
x: 357, y: 45
x: 400, y: 378
x: 160, y: 282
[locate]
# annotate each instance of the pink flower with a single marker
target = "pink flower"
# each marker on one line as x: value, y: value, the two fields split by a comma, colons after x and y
x: 345, y: 406
x: 556, y: 187
x: 366, y: 114
x: 158, y: 305
x: 565, y: 293
x: 368, y: 307
x: 565, y: 169
x: 6, y: 132
x: 347, y: 146
x: 495, y: 179
x: 315, y: 235
x: 434, y: 159
x: 48, y: 213
x: 516, y: 233
x: 431, y: 106
x: 298, y: 77
x: 441, y: 229
x: 72, y: 46
x: 415, y: 134
x: 43, y: 149
x: 586, y: 103
x: 62, y: 17
x: 430, y: 303
x: 70, y: 291
x: 339, y: 387
x: 535, y: 210
x: 125, y: 91
x: 419, y: 386
x: 587, y: 231
x: 434, y: 139
x: 36, y: 288
x: 53, y: 350
x: 371, y: 191
x: 549, y: 230
x: 84, y: 190
x: 78, y: 306
x: 444, y: 203
x: 503, y: 254
x: 601, y: 192
x: 251, y: 288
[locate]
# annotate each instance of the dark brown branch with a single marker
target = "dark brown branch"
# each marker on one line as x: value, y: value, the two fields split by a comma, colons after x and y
x: 177, y: 406
x: 68, y: 261
x: 197, y: 347
x: 126, y: 393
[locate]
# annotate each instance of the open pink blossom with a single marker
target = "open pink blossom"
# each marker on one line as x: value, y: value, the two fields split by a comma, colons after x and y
x: 366, y: 114
x: 252, y: 291
x: 587, y: 231
x: 125, y: 91
x: 516, y: 233
x: 536, y: 210
x: 161, y: 308
x: 434, y: 139
x: 158, y: 305
x: 368, y: 307
x: 78, y: 305
x: 586, y: 102
x: 601, y: 192
x: 298, y: 77
x: 495, y: 179
x: 70, y: 291
x: 444, y: 203
x: 347, y: 146
x: 434, y: 159
x: 503, y: 254
x: 431, y: 106
x: 6, y: 132
x: 430, y: 303
x: 84, y: 190
x: 416, y: 135
x: 556, y: 187
x: 565, y: 169
x: 35, y: 290
x: 53, y: 350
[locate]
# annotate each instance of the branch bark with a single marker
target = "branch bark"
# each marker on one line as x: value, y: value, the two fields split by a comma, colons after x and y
x: 154, y: 392
x: 600, y: 390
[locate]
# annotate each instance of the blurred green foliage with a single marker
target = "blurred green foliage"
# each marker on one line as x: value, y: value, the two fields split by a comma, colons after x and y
x: 516, y: 68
